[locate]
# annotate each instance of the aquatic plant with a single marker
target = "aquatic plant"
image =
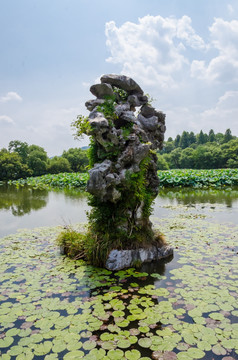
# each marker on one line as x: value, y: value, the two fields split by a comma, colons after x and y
x: 53, y: 307
x: 168, y: 178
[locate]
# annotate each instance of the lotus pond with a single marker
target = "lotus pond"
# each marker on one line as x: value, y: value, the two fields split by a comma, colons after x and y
x: 183, y: 308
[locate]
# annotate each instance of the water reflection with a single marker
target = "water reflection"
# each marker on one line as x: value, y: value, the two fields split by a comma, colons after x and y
x: 23, y: 200
x: 28, y: 208
x: 186, y: 196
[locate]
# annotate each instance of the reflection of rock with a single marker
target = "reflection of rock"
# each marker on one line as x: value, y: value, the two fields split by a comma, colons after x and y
x: 120, y: 259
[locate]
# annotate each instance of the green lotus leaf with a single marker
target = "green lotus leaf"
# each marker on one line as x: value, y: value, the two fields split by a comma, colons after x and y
x: 204, y: 345
x: 118, y: 313
x: 97, y: 354
x: 51, y: 357
x: 16, y: 350
x: 6, y: 342
x: 89, y: 344
x: 216, y: 316
x: 183, y: 346
x: 134, y: 285
x: 229, y: 343
x: 27, y: 355
x: 113, y: 328
x: 74, y: 345
x: 58, y: 346
x: 145, y: 342
x: 144, y: 329
x: 124, y: 344
x: 106, y: 336
x: 13, y: 332
x: 115, y: 354
x: 195, y: 353
x: 123, y: 323
x: 74, y: 355
x: 5, y: 357
x: 108, y: 345
x: 42, y: 348
x: 218, y: 350
x: 183, y: 356
x: 132, y: 354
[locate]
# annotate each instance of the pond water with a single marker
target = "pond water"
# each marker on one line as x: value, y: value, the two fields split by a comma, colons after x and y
x: 30, y: 208
x: 185, y: 307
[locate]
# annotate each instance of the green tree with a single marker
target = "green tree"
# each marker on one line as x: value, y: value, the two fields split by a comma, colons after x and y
x: 227, y: 136
x: 37, y: 160
x: 201, y: 138
x: 177, y: 141
x: 168, y: 147
x: 19, y: 147
x: 187, y: 160
x: 173, y: 159
x: 211, y: 136
x: 162, y: 163
x: 219, y: 138
x: 11, y: 166
x: 184, y: 140
x: 58, y: 165
x: 77, y: 158
x: 191, y: 138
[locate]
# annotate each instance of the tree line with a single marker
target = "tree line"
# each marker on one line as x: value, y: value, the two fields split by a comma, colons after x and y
x: 199, y: 151
x: 186, y: 151
x: 21, y: 160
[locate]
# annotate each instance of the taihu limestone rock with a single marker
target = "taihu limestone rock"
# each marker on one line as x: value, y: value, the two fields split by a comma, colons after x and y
x: 126, y: 131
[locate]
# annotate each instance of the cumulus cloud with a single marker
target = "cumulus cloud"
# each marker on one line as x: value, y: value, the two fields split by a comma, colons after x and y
x: 10, y: 96
x: 4, y: 119
x: 223, y: 67
x: 153, y: 50
x: 224, y: 114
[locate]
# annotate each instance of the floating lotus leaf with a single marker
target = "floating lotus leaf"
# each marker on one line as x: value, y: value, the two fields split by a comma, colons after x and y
x: 89, y: 345
x: 145, y: 342
x: 108, y: 345
x: 218, y: 350
x: 58, y: 346
x: 195, y: 353
x: 115, y: 354
x: 16, y: 350
x: 132, y: 354
x: 74, y: 355
x: 97, y: 354
x: 124, y: 344
x: 6, y: 342
x: 28, y: 355
x: 183, y: 356
x: 216, y: 316
x: 51, y: 357
x: 42, y: 348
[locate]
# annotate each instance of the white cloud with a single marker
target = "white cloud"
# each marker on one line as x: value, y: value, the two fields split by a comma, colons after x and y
x: 224, y: 114
x: 4, y: 119
x: 153, y: 50
x: 223, y: 67
x: 10, y: 96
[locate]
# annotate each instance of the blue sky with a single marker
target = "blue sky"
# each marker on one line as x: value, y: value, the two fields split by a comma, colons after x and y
x: 184, y: 53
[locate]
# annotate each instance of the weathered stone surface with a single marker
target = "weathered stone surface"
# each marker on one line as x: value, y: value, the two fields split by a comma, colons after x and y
x: 123, y: 82
x: 121, y: 259
x: 91, y: 104
x: 124, y: 144
x: 101, y: 90
x: 147, y: 111
x: 148, y: 124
